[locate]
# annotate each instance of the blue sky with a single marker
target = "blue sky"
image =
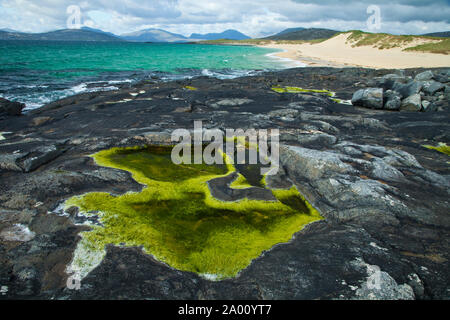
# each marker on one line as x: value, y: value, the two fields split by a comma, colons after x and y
x: 253, y: 17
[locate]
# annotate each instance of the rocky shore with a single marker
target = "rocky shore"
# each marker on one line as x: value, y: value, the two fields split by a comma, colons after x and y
x: 384, y: 196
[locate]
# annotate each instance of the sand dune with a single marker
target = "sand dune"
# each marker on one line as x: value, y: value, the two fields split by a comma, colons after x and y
x: 338, y: 51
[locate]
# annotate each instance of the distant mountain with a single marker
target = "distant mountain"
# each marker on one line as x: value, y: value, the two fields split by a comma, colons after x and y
x: 304, y: 34
x: 288, y: 31
x: 9, y: 30
x: 444, y: 34
x: 99, y: 31
x: 60, y: 35
x: 154, y: 35
x: 228, y: 34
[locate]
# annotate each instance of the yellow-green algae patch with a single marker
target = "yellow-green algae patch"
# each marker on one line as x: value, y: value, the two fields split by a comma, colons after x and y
x: 347, y: 102
x: 442, y: 147
x: 301, y: 90
x: 328, y: 93
x: 177, y: 220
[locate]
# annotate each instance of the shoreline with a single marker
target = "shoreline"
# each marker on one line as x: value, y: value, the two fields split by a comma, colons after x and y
x: 281, y: 57
x: 289, y: 54
x: 339, y: 52
x: 297, y: 56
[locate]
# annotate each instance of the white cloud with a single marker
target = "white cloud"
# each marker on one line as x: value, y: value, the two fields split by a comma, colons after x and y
x: 254, y: 17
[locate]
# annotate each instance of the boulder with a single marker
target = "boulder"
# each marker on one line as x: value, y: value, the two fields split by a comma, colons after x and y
x: 406, y: 90
x: 442, y: 77
x: 393, y: 100
x: 447, y: 92
x: 10, y: 108
x: 369, y: 98
x: 431, y: 87
x: 428, y: 106
x: 424, y: 76
x: 387, y: 82
x: 412, y: 103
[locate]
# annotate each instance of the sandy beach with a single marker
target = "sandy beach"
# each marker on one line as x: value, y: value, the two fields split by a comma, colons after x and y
x: 338, y: 52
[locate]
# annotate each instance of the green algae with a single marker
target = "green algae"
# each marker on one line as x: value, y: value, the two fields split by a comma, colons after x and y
x: 301, y: 90
x: 177, y: 220
x: 340, y: 101
x: 442, y: 147
x: 328, y: 93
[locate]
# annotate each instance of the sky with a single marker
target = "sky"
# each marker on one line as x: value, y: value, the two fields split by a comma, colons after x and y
x: 256, y: 18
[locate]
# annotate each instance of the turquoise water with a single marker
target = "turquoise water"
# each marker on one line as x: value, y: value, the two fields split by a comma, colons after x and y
x: 37, y: 73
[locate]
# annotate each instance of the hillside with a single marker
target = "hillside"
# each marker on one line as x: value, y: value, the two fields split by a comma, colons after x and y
x: 99, y: 31
x: 9, y: 30
x: 305, y: 34
x: 289, y: 30
x: 444, y: 34
x: 154, y: 35
x: 59, y: 35
x: 228, y: 34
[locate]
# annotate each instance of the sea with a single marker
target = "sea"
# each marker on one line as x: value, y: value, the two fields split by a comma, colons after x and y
x: 39, y: 72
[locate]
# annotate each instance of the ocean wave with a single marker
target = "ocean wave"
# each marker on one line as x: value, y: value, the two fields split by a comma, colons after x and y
x: 36, y: 100
x: 37, y: 95
x: 289, y: 63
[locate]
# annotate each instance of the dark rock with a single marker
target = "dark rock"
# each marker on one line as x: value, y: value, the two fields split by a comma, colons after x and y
x: 393, y: 100
x: 316, y: 139
x: 442, y: 77
x: 10, y: 108
x: 412, y: 103
x: 431, y: 87
x: 387, y: 82
x: 425, y: 105
x: 231, y: 102
x: 220, y: 190
x: 406, y: 90
x: 9, y: 161
x: 424, y: 76
x: 41, y: 156
x: 183, y: 109
x: 288, y: 114
x: 38, y: 121
x: 369, y: 98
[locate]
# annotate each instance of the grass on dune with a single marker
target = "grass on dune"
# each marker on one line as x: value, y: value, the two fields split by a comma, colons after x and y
x: 442, y: 47
x: 388, y: 41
